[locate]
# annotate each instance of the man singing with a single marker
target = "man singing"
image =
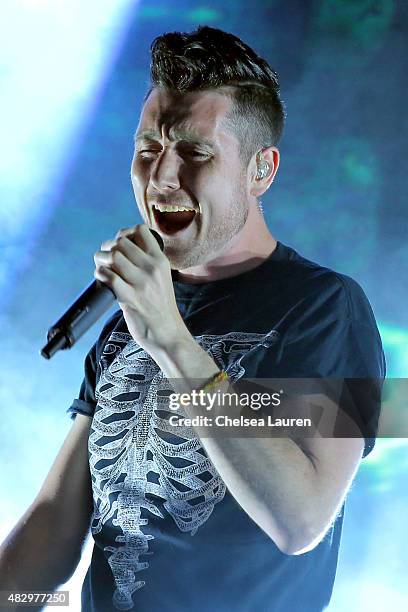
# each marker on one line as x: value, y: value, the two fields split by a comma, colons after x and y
x: 182, y: 522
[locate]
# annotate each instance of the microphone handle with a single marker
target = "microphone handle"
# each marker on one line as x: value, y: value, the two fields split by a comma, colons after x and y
x: 93, y: 302
x: 89, y: 306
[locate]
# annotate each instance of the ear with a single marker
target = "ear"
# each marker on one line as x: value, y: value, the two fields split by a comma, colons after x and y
x: 266, y: 160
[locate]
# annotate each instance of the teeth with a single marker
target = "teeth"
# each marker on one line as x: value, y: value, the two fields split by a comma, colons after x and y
x: 170, y: 208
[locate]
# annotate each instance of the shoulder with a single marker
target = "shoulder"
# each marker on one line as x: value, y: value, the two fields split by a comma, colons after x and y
x: 323, y: 285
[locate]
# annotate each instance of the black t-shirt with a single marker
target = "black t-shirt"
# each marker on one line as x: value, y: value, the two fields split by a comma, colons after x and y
x: 168, y: 534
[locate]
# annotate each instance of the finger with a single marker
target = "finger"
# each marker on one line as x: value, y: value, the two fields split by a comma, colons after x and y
x: 151, y: 244
x: 143, y: 238
x: 125, y: 294
x: 140, y: 235
x: 116, y: 261
x: 134, y: 253
x: 126, y: 231
x: 108, y: 244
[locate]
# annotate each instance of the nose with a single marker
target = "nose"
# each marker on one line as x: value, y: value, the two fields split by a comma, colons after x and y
x: 165, y: 172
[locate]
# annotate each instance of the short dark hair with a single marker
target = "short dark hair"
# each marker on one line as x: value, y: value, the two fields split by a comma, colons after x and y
x: 209, y: 58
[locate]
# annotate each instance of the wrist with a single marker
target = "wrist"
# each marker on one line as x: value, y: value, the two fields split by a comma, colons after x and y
x: 181, y: 357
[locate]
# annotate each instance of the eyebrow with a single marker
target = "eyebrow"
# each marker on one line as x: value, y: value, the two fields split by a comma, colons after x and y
x: 187, y: 136
x: 146, y: 135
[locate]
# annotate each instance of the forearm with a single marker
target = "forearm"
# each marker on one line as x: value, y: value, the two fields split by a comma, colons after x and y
x: 34, y: 556
x: 43, y: 549
x: 271, y: 478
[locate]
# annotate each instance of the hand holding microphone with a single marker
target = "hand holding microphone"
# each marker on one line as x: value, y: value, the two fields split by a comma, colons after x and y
x: 140, y: 276
x: 123, y: 270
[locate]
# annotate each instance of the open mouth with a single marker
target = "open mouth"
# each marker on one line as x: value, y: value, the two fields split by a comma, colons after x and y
x: 173, y: 221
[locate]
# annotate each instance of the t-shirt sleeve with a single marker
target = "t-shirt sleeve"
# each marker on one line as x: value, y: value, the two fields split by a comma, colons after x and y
x: 85, y: 403
x: 333, y: 341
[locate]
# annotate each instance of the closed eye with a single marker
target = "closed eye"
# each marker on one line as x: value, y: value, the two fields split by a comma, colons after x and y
x: 148, y: 153
x: 196, y: 155
x: 193, y: 154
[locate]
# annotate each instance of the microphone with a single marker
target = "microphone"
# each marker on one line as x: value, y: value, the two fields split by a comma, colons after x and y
x: 93, y: 302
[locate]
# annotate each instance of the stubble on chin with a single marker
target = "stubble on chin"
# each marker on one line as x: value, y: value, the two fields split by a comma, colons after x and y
x: 183, y: 258
x: 206, y: 248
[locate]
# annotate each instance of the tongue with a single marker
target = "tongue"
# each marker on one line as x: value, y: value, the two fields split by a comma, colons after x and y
x: 172, y: 222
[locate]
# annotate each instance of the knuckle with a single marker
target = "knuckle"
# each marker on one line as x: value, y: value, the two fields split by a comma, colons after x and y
x: 122, y: 232
x: 115, y: 256
x: 135, y: 231
x: 117, y: 246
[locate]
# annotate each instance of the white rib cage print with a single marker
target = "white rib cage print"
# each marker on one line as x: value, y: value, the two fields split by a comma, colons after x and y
x: 130, y: 438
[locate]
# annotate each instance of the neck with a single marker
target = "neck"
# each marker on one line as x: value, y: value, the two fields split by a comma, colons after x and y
x: 247, y: 250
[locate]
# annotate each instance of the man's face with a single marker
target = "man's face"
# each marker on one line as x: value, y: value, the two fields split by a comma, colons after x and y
x: 185, y: 157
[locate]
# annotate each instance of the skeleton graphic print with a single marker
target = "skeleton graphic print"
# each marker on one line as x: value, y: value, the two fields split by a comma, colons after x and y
x: 141, y: 467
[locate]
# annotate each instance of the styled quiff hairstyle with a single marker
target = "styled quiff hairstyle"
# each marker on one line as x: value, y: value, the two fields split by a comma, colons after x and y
x: 209, y: 58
